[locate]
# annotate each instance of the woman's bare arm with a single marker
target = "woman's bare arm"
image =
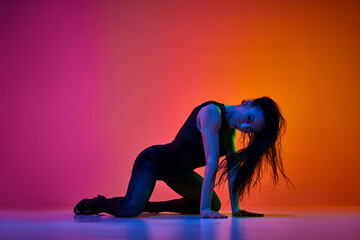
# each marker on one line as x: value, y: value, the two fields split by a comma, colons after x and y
x: 210, y: 122
x: 234, y: 198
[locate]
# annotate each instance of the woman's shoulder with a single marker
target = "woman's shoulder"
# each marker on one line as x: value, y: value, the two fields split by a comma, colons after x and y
x: 211, y: 104
x: 210, y: 114
x: 210, y: 108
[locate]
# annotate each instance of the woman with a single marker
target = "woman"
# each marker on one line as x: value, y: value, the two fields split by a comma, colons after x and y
x: 207, y: 135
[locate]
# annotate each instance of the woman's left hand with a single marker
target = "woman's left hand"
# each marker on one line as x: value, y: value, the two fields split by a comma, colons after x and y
x: 244, y: 213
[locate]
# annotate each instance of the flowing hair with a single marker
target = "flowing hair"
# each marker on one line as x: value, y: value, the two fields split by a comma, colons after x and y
x: 262, y: 148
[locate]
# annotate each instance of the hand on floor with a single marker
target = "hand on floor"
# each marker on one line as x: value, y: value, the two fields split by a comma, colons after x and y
x: 207, y: 213
x: 244, y: 213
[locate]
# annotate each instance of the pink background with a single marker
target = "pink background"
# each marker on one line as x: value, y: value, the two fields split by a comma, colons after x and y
x: 85, y: 86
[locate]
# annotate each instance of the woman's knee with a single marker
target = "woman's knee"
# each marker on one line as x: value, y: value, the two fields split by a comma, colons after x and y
x: 129, y: 210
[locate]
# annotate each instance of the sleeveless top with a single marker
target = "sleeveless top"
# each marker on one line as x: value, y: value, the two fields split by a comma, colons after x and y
x: 186, y: 151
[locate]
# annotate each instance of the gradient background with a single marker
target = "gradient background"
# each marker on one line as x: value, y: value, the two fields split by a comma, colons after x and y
x: 87, y: 85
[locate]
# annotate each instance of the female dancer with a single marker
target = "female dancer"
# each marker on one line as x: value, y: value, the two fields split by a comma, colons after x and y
x: 207, y: 135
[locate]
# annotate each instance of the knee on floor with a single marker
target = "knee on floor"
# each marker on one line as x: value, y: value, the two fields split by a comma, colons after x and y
x: 131, y: 209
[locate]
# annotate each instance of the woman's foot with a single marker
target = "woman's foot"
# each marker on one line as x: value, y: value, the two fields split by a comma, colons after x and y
x: 88, y: 206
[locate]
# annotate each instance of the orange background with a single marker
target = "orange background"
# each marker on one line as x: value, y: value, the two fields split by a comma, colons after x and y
x: 87, y: 85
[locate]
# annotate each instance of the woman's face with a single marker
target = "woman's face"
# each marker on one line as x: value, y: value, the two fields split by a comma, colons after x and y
x: 249, y: 119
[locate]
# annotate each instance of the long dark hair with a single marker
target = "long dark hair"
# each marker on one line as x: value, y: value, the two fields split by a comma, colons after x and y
x: 262, y: 147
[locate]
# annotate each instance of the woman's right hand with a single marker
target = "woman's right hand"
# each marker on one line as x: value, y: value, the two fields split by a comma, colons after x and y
x: 244, y: 213
x: 207, y: 213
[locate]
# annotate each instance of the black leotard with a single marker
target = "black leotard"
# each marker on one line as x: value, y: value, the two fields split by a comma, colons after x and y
x: 186, y: 151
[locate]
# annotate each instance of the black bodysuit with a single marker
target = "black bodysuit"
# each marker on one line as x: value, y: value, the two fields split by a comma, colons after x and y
x: 174, y: 163
x: 186, y: 151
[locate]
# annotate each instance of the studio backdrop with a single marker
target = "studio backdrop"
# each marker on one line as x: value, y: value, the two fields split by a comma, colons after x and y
x: 85, y: 86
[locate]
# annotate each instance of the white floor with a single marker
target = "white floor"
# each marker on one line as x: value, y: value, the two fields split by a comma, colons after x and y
x: 291, y: 224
